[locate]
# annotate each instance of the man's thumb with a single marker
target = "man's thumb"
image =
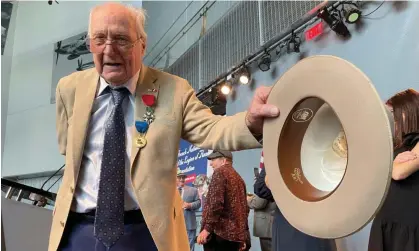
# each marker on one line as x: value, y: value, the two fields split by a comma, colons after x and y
x: 269, y: 110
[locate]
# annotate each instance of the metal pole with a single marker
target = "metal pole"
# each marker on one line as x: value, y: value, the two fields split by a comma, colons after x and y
x: 9, y: 193
x: 19, y: 195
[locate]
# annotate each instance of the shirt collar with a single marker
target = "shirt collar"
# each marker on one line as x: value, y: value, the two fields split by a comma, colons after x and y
x: 131, y: 84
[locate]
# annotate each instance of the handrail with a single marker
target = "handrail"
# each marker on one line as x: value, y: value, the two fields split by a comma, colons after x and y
x: 46, y: 194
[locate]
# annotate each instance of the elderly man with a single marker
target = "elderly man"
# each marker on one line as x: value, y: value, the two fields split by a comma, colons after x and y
x: 191, y: 203
x: 224, y: 219
x: 119, y: 126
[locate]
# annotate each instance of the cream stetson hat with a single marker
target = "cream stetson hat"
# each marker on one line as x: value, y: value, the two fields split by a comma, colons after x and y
x: 329, y: 154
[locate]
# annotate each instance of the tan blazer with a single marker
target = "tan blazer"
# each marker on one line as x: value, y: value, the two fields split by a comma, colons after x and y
x: 179, y: 114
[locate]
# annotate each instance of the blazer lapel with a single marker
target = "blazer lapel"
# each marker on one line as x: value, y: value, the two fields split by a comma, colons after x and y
x: 147, y: 84
x: 84, y: 97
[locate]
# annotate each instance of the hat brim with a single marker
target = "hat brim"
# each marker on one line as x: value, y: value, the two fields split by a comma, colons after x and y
x: 214, y: 156
x: 299, y: 93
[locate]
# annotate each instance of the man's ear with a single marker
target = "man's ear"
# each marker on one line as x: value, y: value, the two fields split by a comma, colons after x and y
x: 224, y: 161
x: 144, y: 45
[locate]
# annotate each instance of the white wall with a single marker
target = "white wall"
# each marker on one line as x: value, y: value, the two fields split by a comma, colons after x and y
x: 30, y: 144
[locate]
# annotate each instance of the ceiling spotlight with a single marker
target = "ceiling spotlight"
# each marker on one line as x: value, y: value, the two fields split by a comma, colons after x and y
x: 265, y: 62
x: 293, y: 44
x: 279, y: 48
x: 226, y: 88
x: 352, y: 14
x: 244, y: 79
x: 244, y: 76
x: 335, y: 24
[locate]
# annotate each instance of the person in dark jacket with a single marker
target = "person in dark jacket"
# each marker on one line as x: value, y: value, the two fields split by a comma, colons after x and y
x: 396, y: 226
x: 284, y: 236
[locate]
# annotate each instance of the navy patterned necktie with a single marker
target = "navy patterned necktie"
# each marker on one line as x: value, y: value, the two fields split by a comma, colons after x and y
x: 109, y: 219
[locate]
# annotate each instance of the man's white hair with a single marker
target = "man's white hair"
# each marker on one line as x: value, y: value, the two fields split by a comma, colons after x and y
x: 139, y: 15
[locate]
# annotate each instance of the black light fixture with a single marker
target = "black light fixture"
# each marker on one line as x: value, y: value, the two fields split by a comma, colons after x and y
x: 293, y: 44
x: 50, y: 2
x: 279, y: 48
x: 336, y: 24
x: 265, y: 62
x: 351, y: 12
x: 214, y: 95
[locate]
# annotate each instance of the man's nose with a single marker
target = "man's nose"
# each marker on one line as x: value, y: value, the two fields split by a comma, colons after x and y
x: 109, y: 49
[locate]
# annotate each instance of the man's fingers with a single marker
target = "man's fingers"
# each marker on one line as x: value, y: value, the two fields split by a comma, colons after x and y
x: 260, y: 111
x: 262, y: 93
x: 201, y: 241
x: 268, y: 111
x: 405, y: 156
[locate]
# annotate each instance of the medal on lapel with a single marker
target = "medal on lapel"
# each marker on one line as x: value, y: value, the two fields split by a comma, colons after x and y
x: 148, y: 118
x: 149, y: 100
x: 142, y: 128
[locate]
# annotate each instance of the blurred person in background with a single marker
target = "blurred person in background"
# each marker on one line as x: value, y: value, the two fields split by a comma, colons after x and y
x: 191, y: 203
x: 262, y: 220
x: 225, y: 217
x: 284, y: 236
x: 396, y: 226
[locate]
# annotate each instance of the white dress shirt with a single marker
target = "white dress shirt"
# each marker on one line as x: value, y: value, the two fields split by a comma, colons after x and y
x: 88, y: 182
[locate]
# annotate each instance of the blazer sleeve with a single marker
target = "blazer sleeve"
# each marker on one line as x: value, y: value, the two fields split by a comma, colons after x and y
x: 196, y: 204
x: 61, y: 121
x: 205, y: 130
x: 260, y: 187
x: 257, y: 203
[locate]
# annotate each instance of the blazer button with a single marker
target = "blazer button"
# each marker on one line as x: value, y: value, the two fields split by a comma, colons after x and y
x: 62, y: 223
x: 71, y: 189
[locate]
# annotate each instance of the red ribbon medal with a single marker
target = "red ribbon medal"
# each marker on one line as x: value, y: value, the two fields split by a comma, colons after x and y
x: 149, y: 100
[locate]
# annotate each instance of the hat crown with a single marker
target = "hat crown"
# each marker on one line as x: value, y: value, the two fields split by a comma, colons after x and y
x: 220, y: 154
